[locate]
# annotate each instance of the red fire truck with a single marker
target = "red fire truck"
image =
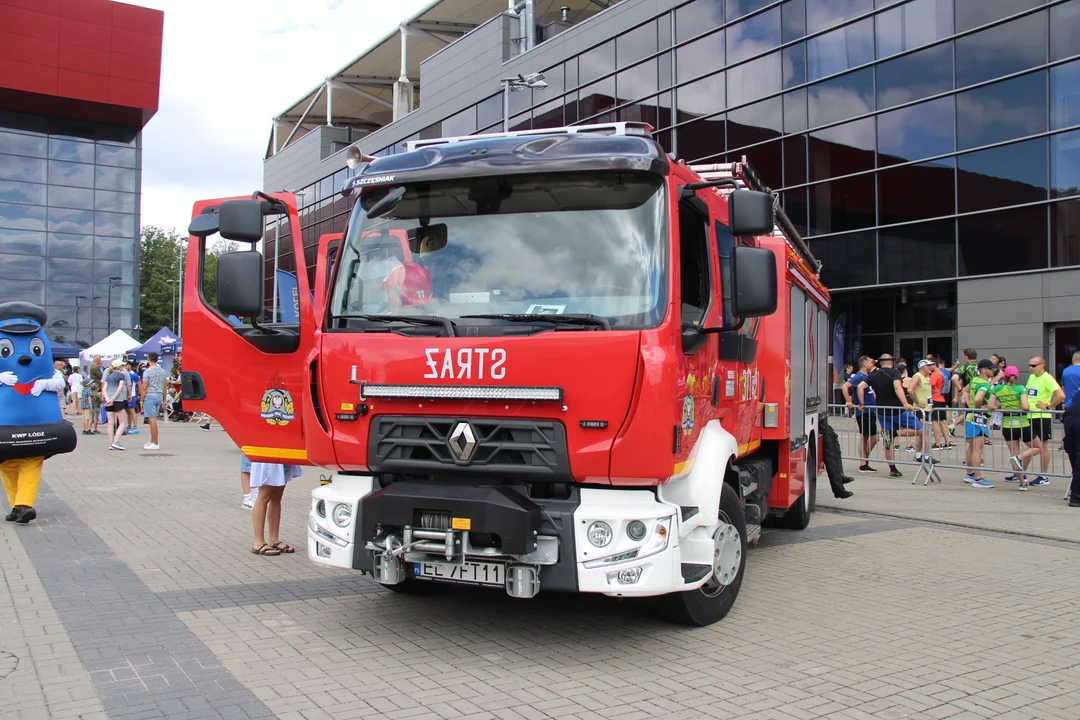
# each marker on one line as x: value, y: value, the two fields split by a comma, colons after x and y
x: 545, y: 360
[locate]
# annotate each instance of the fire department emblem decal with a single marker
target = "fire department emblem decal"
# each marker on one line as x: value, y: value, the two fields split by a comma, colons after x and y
x: 277, y: 404
x: 688, y: 415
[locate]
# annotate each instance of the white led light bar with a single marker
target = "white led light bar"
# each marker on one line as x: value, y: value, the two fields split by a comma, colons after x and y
x: 461, y: 392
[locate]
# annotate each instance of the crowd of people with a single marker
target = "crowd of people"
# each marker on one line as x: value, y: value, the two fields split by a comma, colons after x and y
x: 927, y: 407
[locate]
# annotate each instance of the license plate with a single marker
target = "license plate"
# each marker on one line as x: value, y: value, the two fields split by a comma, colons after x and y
x: 470, y: 572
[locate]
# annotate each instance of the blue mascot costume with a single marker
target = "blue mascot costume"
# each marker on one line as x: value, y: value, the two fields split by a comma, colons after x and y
x: 32, y: 426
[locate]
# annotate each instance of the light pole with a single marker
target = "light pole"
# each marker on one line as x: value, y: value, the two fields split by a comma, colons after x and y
x: 517, y: 84
x: 179, y: 289
x: 108, y: 307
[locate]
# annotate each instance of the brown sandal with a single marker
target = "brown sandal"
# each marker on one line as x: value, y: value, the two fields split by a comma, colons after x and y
x: 265, y: 549
x: 283, y: 547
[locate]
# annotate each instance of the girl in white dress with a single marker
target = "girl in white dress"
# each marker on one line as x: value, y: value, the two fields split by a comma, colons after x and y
x: 270, y: 480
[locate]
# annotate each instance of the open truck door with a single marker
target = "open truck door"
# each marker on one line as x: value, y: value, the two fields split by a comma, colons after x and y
x: 250, y: 377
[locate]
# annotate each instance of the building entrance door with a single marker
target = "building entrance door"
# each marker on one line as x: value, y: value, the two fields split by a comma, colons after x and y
x: 1064, y: 341
x: 913, y: 347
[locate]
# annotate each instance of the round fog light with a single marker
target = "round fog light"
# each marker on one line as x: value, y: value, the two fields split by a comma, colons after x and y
x: 320, y: 508
x: 635, y: 530
x: 342, y: 514
x: 600, y: 534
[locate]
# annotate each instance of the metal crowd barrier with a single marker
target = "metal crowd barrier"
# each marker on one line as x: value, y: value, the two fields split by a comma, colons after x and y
x: 996, y: 452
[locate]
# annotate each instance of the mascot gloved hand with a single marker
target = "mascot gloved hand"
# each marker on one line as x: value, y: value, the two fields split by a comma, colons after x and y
x: 32, y: 426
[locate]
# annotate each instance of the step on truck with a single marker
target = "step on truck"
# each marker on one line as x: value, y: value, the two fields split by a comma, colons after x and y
x: 551, y: 360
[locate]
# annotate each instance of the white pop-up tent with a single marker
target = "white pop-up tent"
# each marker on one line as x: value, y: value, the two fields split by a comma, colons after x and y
x: 111, y: 347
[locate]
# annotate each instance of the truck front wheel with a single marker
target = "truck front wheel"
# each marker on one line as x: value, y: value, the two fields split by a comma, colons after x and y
x: 798, y: 517
x: 712, y: 601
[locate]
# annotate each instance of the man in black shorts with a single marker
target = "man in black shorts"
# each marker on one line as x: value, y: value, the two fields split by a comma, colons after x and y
x: 865, y: 417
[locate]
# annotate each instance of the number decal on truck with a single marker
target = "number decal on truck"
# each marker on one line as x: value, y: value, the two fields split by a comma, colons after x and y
x: 465, y: 364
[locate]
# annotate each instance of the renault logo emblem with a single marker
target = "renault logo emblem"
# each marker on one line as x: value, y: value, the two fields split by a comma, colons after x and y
x: 462, y: 441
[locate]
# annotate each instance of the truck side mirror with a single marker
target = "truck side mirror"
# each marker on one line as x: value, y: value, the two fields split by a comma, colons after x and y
x: 755, y: 280
x: 240, y: 283
x: 751, y: 213
x: 241, y: 220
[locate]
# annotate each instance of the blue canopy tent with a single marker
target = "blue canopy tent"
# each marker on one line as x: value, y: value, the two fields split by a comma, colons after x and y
x: 164, y: 342
x: 60, y: 351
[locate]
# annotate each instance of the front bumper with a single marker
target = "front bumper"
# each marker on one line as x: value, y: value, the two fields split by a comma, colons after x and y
x: 623, y: 567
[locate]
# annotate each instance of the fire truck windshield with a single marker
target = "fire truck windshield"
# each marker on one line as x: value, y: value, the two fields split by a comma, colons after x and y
x: 553, y: 244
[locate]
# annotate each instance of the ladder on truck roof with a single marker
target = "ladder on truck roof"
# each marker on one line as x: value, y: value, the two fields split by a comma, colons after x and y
x: 638, y: 129
x: 742, y: 173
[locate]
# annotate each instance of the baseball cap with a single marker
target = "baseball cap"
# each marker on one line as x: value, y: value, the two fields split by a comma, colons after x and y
x: 924, y: 363
x: 985, y: 364
x: 116, y: 363
x: 1012, y: 371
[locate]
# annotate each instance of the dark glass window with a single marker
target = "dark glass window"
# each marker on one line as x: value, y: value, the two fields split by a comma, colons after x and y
x: 1002, y: 111
x: 121, y: 179
x: 570, y: 109
x: 556, y: 79
x: 25, y: 242
x: 521, y: 122
x: 571, y: 68
x: 1065, y: 164
x: 973, y: 13
x: 1001, y: 50
x: 429, y: 133
x: 663, y: 31
x: 71, y: 221
x: 19, y: 144
x: 109, y: 248
x: 754, y: 79
x: 701, y: 97
x: 596, y: 98
x: 1065, y: 30
x: 521, y: 99
x: 915, y: 76
x: 597, y: 62
x: 766, y: 159
x: 840, y: 50
x: 15, y: 167
x: 793, y: 16
x: 116, y: 224
x: 103, y: 270
x: 69, y: 173
x: 698, y: 17
x: 847, y: 260
x: 737, y: 8
x: 21, y: 267
x: 755, y: 123
x: 22, y: 192
x: 701, y: 138
x: 663, y: 63
x: 116, y: 156
x: 699, y: 56
x: 643, y: 111
x: 637, y: 82
x: 912, y: 25
x: 637, y: 44
x: 842, y: 150
x: 71, y: 150
x: 794, y: 65
x: 1006, y: 175
x: 21, y: 217
x: 841, y: 98
x: 66, y: 270
x: 916, y: 131
x: 69, y: 197
x: 549, y: 115
x: 916, y: 192
x: 794, y: 160
x: 1065, y: 233
x: 1003, y: 241
x: 795, y: 111
x: 73, y: 246
x: 839, y: 205
x: 28, y: 290
x: 463, y: 123
x: 693, y: 264
x: 797, y: 209
x: 489, y: 111
x: 926, y: 251
x: 822, y: 14
x: 753, y: 36
x: 1065, y: 95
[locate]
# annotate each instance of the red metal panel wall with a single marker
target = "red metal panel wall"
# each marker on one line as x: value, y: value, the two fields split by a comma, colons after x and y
x: 88, y: 59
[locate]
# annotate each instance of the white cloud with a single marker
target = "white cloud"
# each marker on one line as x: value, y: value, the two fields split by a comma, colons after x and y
x: 229, y: 66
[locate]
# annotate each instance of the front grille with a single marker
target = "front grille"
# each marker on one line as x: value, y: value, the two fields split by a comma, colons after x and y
x: 422, y: 445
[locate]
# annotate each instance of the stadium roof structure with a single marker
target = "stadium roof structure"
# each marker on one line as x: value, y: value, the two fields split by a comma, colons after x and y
x: 361, y: 94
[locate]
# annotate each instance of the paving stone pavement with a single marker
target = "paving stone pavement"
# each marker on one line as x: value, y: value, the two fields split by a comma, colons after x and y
x: 134, y: 596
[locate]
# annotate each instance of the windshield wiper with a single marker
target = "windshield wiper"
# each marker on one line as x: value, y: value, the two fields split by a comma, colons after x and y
x: 580, y: 319
x: 411, y: 319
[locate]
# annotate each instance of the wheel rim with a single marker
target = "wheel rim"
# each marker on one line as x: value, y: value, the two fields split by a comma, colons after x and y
x: 727, y: 558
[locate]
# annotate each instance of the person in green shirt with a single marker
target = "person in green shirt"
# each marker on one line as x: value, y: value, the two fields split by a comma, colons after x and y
x: 976, y: 429
x: 1044, y: 394
x: 1011, y: 399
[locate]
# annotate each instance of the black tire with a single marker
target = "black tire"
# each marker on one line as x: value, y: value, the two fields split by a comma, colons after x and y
x: 798, y: 516
x: 712, y: 601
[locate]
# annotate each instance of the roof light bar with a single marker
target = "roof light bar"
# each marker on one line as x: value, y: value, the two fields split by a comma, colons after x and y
x: 639, y: 129
x: 461, y: 392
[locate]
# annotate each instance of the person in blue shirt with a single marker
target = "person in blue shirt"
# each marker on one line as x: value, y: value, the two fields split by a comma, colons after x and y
x: 864, y: 411
x: 1070, y: 379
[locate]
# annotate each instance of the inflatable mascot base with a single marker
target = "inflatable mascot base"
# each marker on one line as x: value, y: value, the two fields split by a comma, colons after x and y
x: 32, y: 425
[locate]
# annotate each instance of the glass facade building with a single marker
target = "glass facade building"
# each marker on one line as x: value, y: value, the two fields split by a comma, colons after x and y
x: 915, y: 143
x: 69, y: 223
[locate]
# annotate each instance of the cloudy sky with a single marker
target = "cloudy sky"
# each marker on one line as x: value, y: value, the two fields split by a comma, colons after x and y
x: 228, y: 66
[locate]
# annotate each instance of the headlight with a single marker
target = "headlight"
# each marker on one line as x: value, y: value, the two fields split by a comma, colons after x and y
x: 659, y: 538
x: 635, y: 530
x: 320, y: 508
x: 342, y: 514
x: 599, y: 534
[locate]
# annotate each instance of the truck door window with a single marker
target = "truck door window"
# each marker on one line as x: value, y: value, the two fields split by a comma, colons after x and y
x: 693, y: 263
x: 725, y: 244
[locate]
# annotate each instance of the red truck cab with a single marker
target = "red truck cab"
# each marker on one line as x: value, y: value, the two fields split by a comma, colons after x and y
x: 550, y: 360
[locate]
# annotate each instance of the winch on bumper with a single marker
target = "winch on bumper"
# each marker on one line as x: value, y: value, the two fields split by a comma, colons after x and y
x: 612, y: 541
